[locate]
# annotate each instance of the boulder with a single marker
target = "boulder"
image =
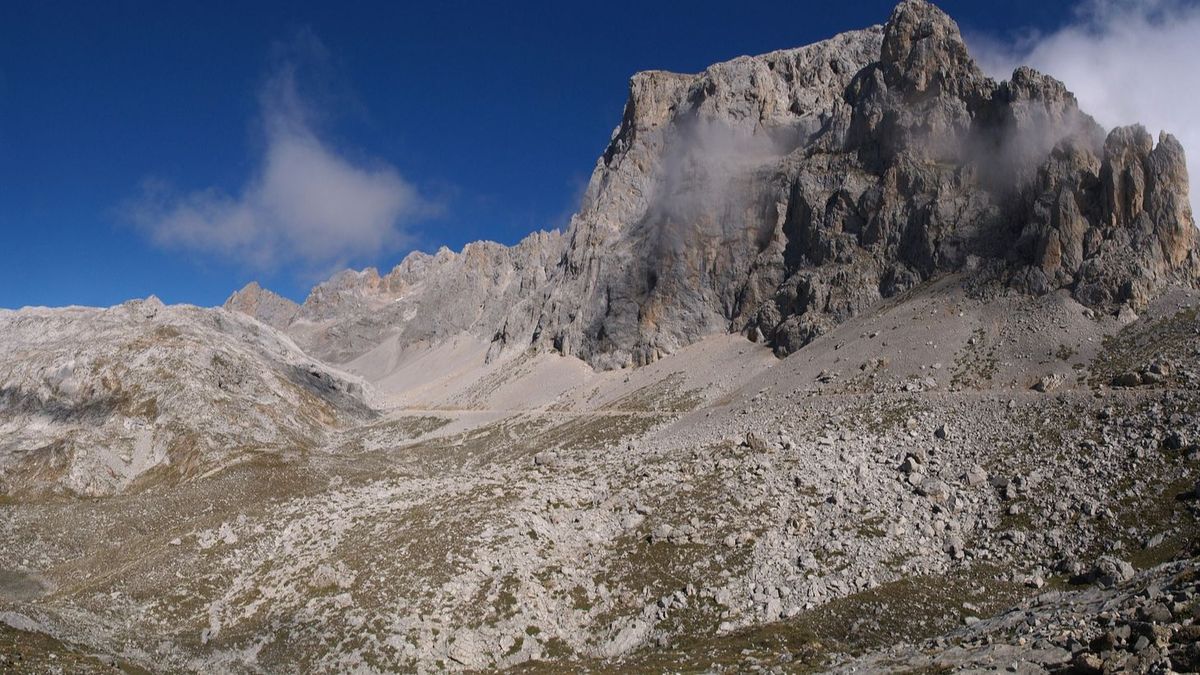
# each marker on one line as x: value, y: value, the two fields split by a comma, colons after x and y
x: 1111, y: 571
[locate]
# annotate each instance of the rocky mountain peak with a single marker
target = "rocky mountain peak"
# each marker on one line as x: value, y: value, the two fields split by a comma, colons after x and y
x: 779, y: 195
x: 923, y: 53
x: 266, y: 306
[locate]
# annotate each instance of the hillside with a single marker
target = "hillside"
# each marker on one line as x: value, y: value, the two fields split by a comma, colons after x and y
x: 853, y: 360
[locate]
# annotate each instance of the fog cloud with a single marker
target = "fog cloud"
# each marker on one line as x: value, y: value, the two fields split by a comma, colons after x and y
x: 1126, y: 61
x: 706, y: 185
x: 305, y: 203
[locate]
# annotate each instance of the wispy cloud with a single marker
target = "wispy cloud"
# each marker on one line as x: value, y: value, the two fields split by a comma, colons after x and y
x: 1126, y: 61
x: 306, y: 203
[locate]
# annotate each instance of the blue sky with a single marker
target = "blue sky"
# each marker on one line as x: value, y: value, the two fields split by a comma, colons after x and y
x: 489, y: 115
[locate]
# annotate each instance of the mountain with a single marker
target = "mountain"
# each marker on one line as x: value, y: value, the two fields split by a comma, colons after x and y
x: 102, y: 401
x: 778, y: 195
x: 853, y: 360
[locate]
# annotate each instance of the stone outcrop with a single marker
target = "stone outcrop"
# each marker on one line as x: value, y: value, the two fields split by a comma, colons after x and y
x: 266, y: 306
x: 781, y: 194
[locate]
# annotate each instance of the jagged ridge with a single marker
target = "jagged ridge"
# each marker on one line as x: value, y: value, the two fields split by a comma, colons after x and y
x: 779, y: 195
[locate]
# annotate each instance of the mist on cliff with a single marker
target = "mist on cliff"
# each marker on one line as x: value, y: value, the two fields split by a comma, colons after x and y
x: 707, y: 186
x: 1127, y: 62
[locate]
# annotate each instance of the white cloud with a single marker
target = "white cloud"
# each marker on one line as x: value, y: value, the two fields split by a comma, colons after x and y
x: 1126, y: 61
x: 306, y: 203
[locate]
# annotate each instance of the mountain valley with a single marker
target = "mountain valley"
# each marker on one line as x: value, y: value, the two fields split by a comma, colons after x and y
x: 852, y: 360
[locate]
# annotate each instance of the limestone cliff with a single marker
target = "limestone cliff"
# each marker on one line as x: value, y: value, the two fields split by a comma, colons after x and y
x: 270, y: 308
x: 781, y: 194
x: 487, y: 291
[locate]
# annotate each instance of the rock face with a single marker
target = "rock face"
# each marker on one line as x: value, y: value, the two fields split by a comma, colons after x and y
x: 268, y: 307
x: 681, y: 232
x: 779, y: 195
x: 96, y: 401
x: 490, y: 291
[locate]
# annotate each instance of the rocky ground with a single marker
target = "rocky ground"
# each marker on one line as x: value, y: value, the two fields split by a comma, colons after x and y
x: 916, y: 388
x: 899, y: 495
